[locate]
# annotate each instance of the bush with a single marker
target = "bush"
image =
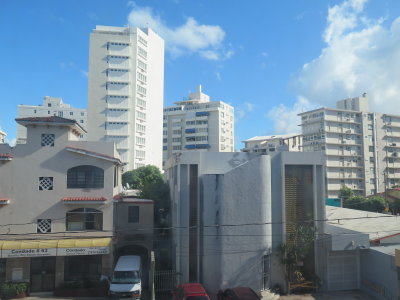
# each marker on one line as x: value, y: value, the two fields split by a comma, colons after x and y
x: 10, y: 290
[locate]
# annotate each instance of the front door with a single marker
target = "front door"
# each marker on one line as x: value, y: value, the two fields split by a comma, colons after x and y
x: 43, y: 273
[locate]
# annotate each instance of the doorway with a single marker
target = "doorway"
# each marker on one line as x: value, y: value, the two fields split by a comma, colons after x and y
x: 43, y: 274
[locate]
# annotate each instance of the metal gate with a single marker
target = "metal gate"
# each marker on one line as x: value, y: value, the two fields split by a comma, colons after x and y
x: 165, y: 281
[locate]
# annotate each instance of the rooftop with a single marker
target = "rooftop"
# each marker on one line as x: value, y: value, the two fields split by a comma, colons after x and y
x: 272, y: 137
x: 53, y: 120
x: 377, y: 225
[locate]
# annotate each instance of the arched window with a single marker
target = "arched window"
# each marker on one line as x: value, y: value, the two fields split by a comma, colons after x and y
x: 81, y: 177
x: 84, y: 219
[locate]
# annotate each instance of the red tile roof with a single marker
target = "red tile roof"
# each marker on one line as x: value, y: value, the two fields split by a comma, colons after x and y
x: 6, y: 156
x: 4, y: 201
x: 95, y: 154
x: 50, y: 119
x: 80, y: 199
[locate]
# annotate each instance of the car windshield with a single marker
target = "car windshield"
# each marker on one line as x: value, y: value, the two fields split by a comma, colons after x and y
x: 126, y: 277
x: 196, y: 298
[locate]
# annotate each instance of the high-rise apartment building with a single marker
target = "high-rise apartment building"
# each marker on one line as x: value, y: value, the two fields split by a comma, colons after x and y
x: 2, y: 137
x: 273, y: 143
x: 51, y: 106
x: 126, y: 84
x: 196, y: 123
x: 362, y: 148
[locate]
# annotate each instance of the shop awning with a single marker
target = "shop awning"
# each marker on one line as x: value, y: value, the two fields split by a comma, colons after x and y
x: 64, y: 247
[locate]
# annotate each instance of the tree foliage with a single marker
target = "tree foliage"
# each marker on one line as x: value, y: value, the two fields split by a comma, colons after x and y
x: 346, y: 192
x: 150, y: 182
x: 373, y: 204
x: 294, y: 252
x: 140, y: 177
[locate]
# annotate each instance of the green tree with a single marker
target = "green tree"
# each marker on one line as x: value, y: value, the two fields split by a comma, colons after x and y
x: 346, y: 192
x: 140, y: 177
x: 373, y: 204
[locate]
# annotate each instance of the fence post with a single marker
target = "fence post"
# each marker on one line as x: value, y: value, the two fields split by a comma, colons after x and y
x: 151, y: 275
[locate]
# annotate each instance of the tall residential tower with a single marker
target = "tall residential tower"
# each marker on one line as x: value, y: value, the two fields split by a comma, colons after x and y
x: 362, y: 148
x: 126, y: 85
x: 196, y: 123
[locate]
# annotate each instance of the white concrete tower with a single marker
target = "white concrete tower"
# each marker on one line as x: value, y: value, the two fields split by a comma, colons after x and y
x: 125, y: 94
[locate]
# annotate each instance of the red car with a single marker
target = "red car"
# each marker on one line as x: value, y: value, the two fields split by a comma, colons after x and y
x: 238, y: 293
x: 190, y: 291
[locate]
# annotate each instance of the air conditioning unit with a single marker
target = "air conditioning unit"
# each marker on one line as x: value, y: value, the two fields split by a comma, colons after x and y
x: 393, y: 144
x: 343, y: 142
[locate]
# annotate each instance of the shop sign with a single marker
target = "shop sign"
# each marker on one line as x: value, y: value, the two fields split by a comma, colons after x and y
x: 83, y: 251
x: 28, y: 252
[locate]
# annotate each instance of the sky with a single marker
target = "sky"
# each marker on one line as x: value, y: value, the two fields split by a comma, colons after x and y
x: 269, y: 59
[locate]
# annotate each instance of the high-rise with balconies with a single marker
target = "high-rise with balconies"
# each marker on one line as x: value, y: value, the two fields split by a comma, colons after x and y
x: 362, y: 148
x: 125, y: 93
x: 198, y: 124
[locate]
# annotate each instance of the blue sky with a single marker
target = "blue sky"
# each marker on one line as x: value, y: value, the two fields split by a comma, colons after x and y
x: 269, y: 59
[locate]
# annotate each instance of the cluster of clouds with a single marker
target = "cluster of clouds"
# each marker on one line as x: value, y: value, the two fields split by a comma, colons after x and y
x: 360, y: 55
x: 189, y: 38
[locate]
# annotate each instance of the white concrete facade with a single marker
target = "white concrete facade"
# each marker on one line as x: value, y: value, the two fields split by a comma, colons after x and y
x: 362, y: 148
x: 198, y: 124
x: 51, y: 106
x: 125, y: 93
x: 273, y: 143
x: 214, y: 194
x: 2, y: 137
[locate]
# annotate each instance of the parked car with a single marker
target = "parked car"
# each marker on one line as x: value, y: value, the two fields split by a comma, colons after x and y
x: 238, y: 293
x: 190, y: 291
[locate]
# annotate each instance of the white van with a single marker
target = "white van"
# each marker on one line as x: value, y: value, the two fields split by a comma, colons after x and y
x: 126, y: 280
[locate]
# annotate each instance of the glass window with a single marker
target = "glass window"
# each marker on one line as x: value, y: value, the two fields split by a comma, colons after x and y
x: 2, y: 269
x: 85, y: 177
x: 84, y: 219
x: 133, y: 214
x: 83, y: 267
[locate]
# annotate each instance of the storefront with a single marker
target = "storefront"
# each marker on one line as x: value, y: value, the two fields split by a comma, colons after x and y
x: 45, y: 264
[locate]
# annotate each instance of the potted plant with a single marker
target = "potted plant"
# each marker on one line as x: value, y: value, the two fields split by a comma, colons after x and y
x: 10, y: 290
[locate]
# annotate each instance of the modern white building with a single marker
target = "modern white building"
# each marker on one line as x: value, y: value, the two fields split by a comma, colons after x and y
x: 362, y: 148
x: 198, y: 124
x: 231, y: 212
x: 125, y: 93
x: 2, y: 136
x: 273, y: 143
x: 51, y: 106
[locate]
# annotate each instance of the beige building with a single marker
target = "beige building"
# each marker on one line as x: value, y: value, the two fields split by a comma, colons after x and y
x: 56, y: 205
x: 198, y: 124
x: 361, y: 147
x: 273, y: 143
x: 51, y: 106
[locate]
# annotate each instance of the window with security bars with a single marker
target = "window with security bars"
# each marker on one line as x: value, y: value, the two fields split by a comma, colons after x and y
x: 45, y: 183
x: 85, y: 176
x: 48, y: 139
x: 43, y: 225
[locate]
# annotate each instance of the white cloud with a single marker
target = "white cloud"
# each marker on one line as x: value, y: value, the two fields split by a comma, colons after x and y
x: 286, y: 119
x: 361, y: 55
x: 243, y: 110
x: 11, y: 142
x: 190, y: 37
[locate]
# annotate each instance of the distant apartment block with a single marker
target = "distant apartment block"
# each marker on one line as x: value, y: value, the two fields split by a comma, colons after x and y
x: 273, y: 143
x: 361, y: 148
x: 51, y: 107
x: 125, y: 92
x: 2, y: 137
x: 198, y: 124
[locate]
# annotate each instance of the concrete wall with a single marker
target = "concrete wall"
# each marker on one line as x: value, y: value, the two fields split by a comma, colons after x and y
x: 379, y: 274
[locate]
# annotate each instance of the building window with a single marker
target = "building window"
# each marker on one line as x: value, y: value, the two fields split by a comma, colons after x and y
x: 81, y: 177
x: 48, y: 139
x: 71, y: 113
x: 60, y: 114
x: 371, y: 148
x: 82, y: 267
x: 84, y: 219
x: 45, y: 183
x: 133, y: 214
x: 48, y: 104
x: 43, y: 225
x: 2, y: 269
